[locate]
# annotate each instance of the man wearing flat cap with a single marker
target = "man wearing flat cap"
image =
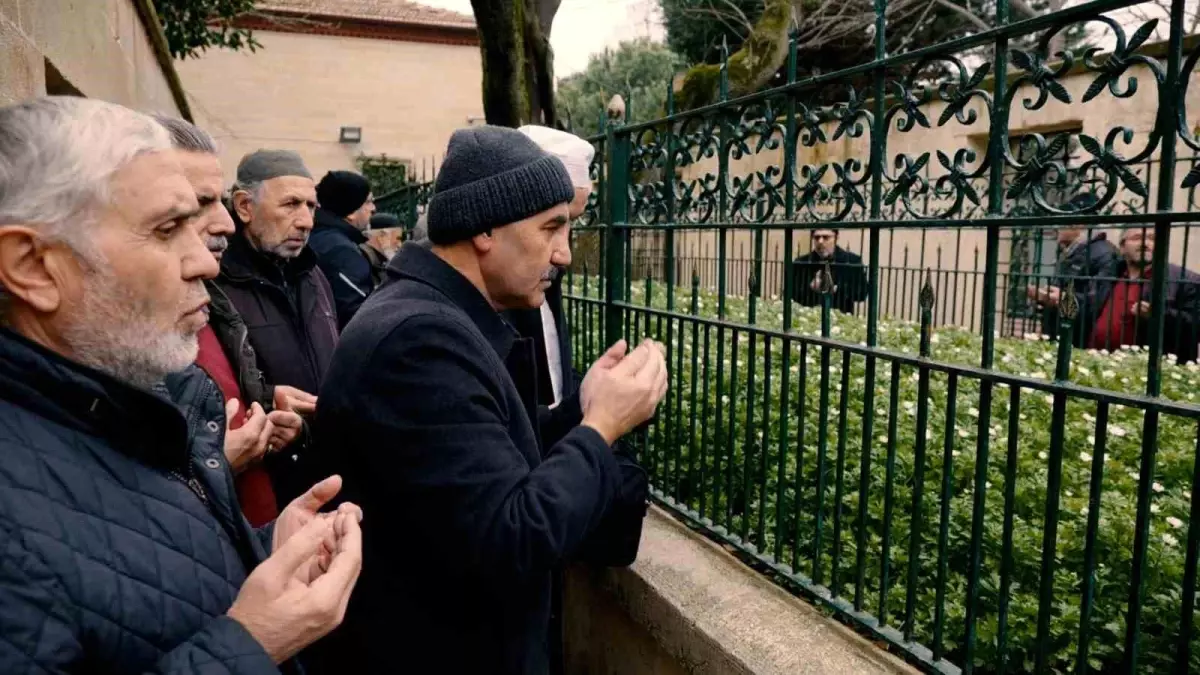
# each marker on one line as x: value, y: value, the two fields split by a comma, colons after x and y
x: 271, y: 276
x: 345, y: 205
x: 480, y: 493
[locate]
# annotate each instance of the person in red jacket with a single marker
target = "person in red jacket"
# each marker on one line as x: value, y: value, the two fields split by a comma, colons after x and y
x: 259, y: 418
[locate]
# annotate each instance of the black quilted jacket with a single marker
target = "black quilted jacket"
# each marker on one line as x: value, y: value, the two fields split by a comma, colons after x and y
x: 110, y: 562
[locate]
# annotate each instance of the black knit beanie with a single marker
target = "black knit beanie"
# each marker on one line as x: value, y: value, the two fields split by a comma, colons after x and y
x: 493, y: 176
x: 342, y: 192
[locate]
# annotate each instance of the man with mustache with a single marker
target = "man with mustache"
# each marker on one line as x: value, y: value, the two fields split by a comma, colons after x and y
x: 124, y: 550
x: 1120, y: 301
x: 259, y: 417
x: 431, y: 400
x: 271, y: 277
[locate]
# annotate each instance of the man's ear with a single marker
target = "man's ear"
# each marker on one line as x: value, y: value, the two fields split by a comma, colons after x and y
x: 32, y: 271
x: 243, y: 205
x: 483, y: 242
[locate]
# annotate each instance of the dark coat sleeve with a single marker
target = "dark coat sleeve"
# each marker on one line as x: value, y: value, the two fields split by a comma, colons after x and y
x: 854, y: 279
x: 1181, y: 321
x: 349, y: 276
x: 614, y: 542
x: 491, y: 515
x: 802, y: 275
x: 40, y: 628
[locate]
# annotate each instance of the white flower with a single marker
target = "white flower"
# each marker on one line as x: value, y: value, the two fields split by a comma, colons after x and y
x: 928, y: 435
x: 962, y: 433
x: 1050, y: 399
x: 1038, y: 374
x: 1176, y: 376
x: 1169, y: 539
x: 987, y: 484
x: 1158, y: 487
x: 954, y: 453
x: 1117, y: 431
x: 1043, y: 455
x: 724, y: 399
x: 1084, y: 510
x: 1070, y: 494
x: 1088, y: 418
x: 1174, y: 522
x: 995, y: 431
x: 1187, y: 494
x: 1108, y: 374
x: 1022, y: 416
x: 1007, y: 358
x: 1084, y: 371
x: 934, y: 338
x: 1084, y: 457
x: 1133, y: 475
x: 1155, y: 508
x: 973, y: 411
x: 881, y: 439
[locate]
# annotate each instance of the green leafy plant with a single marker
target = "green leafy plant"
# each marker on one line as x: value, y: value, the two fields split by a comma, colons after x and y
x: 752, y: 455
x: 192, y: 26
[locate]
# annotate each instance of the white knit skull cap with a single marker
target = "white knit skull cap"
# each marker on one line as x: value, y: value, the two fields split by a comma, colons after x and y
x: 574, y: 152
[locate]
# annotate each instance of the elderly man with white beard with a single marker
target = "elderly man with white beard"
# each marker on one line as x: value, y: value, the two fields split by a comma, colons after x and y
x: 124, y: 549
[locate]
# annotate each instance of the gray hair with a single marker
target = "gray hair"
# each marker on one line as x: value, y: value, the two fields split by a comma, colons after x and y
x: 187, y: 136
x: 58, y: 155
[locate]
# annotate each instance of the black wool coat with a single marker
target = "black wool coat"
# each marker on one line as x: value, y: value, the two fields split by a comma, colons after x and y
x: 474, y: 494
x: 291, y: 322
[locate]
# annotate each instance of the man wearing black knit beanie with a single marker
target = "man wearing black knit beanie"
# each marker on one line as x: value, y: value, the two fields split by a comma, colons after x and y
x: 345, y: 205
x: 478, y: 494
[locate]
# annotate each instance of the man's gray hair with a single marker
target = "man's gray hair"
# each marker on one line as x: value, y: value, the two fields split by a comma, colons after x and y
x: 187, y: 136
x: 58, y: 155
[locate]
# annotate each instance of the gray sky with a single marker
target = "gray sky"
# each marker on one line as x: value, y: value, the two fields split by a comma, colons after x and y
x: 586, y: 27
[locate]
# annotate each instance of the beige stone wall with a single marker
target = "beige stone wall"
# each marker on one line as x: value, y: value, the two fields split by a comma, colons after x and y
x: 100, y: 48
x: 299, y: 89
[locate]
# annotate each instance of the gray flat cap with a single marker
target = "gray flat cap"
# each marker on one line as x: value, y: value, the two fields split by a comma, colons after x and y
x: 262, y: 165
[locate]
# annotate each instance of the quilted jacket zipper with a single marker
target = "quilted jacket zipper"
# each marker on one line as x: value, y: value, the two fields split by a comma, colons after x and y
x: 192, y: 482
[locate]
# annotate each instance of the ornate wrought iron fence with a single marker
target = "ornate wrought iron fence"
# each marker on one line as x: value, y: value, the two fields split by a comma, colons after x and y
x: 977, y: 502
x: 408, y: 202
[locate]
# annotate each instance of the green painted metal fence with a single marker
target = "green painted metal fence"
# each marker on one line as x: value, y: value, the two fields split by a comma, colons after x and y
x: 977, y: 501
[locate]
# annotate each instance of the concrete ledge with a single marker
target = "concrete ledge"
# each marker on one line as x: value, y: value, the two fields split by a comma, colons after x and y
x: 688, y: 606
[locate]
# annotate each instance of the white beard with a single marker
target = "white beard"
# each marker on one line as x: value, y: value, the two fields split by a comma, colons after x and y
x: 116, y: 333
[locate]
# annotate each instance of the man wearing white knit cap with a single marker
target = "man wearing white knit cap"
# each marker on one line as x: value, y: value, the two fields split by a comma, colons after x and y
x: 556, y: 379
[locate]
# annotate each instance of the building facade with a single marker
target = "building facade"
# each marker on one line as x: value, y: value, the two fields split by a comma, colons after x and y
x: 339, y: 79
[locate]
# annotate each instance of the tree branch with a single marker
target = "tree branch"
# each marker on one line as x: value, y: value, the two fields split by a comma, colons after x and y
x: 965, y: 13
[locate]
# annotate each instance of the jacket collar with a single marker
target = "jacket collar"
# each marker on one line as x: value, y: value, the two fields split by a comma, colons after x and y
x: 242, y: 263
x: 419, y: 263
x: 326, y: 220
x: 135, y: 421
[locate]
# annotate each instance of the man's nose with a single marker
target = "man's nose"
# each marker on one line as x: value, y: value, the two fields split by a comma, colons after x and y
x: 198, y: 262
x: 561, y: 257
x: 305, y: 222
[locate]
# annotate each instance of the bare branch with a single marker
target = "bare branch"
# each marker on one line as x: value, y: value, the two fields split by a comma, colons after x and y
x: 963, y: 12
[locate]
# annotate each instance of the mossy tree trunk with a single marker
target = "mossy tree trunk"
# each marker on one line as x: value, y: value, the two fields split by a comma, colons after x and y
x: 764, y: 52
x: 518, y: 65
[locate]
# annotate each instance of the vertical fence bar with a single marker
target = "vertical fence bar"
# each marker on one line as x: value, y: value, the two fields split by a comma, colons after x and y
x: 916, y: 518
x: 939, y: 605
x: 885, y: 551
x: 839, y: 488
x: 1166, y: 127
x: 615, y: 236
x: 1089, y: 551
x: 1068, y: 309
x: 878, y: 150
x: 826, y: 290
x: 1006, y: 537
x: 997, y: 147
x: 1188, y: 610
